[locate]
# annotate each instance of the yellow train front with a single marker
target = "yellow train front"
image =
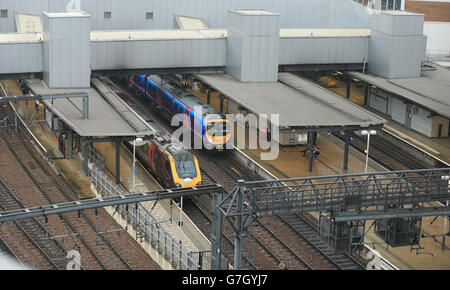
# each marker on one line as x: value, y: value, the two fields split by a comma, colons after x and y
x: 171, y: 164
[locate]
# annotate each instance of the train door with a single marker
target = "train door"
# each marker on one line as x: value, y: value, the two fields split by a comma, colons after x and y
x: 187, y: 111
x: 158, y: 97
x: 150, y: 156
x: 175, y: 108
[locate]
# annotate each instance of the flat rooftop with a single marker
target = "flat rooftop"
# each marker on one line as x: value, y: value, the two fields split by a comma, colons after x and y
x: 124, y: 35
x: 104, y: 120
x: 29, y: 23
x: 20, y: 38
x: 298, y: 102
x: 431, y: 90
x: 254, y: 12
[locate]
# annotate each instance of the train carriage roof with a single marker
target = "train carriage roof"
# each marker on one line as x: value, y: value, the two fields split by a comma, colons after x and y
x: 185, y: 97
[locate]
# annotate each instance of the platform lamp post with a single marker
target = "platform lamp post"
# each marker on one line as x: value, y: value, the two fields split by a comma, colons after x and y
x: 184, y: 181
x: 368, y: 133
x: 139, y: 142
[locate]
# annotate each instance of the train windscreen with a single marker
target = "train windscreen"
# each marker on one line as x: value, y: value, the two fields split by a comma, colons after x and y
x: 185, y: 165
x: 218, y: 128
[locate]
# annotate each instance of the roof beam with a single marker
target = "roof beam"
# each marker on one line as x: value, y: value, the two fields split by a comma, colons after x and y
x: 391, y: 213
x: 93, y: 203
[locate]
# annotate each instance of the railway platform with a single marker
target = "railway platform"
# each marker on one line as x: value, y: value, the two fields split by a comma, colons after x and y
x: 437, y: 147
x: 163, y: 211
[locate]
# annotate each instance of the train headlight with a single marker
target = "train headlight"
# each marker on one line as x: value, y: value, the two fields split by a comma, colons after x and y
x: 210, y: 139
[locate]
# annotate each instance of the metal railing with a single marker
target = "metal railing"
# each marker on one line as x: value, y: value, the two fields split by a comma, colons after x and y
x: 148, y: 228
x: 97, y: 159
x: 336, y: 193
x: 3, y: 123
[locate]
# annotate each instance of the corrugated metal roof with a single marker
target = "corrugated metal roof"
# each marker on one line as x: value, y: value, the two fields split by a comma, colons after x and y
x: 431, y: 90
x: 103, y: 120
x: 307, y: 105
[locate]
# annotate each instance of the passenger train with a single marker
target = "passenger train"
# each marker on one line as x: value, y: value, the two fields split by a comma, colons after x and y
x: 169, y: 162
x: 204, y: 121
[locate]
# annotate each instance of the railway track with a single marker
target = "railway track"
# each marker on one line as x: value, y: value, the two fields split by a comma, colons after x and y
x: 101, y: 254
x: 7, y: 252
x: 267, y: 237
x: 386, y: 153
x: 33, y: 231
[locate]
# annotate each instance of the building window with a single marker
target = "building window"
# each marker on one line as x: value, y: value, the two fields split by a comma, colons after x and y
x: 149, y: 15
x: 3, y: 13
x: 107, y: 15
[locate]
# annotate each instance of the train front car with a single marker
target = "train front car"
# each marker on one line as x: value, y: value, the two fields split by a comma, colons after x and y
x: 171, y: 163
x: 217, y: 133
x: 185, y: 169
x: 204, y: 121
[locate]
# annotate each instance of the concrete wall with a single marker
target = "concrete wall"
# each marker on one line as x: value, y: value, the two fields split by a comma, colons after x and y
x: 164, y: 53
x: 253, y: 40
x: 397, y: 44
x: 323, y: 50
x: 398, y: 110
x: 132, y: 14
x: 438, y: 34
x: 66, y: 50
x: 438, y: 120
x: 20, y: 57
x: 377, y: 101
x: 421, y: 121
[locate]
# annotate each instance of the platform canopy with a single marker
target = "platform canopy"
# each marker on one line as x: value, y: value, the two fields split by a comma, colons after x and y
x: 108, y: 116
x: 298, y: 102
x: 431, y: 90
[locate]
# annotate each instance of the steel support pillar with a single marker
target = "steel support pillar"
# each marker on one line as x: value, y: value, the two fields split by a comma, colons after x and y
x: 221, y: 99
x: 118, y: 162
x: 208, y: 97
x: 346, y: 149
x: 216, y: 232
x: 366, y: 94
x: 86, y: 107
x: 85, y: 154
x: 238, y: 228
x: 70, y: 144
x: 349, y: 86
x: 16, y: 112
x: 311, y: 151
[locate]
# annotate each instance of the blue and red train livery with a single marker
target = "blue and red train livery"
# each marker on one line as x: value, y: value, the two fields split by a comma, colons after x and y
x: 172, y: 100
